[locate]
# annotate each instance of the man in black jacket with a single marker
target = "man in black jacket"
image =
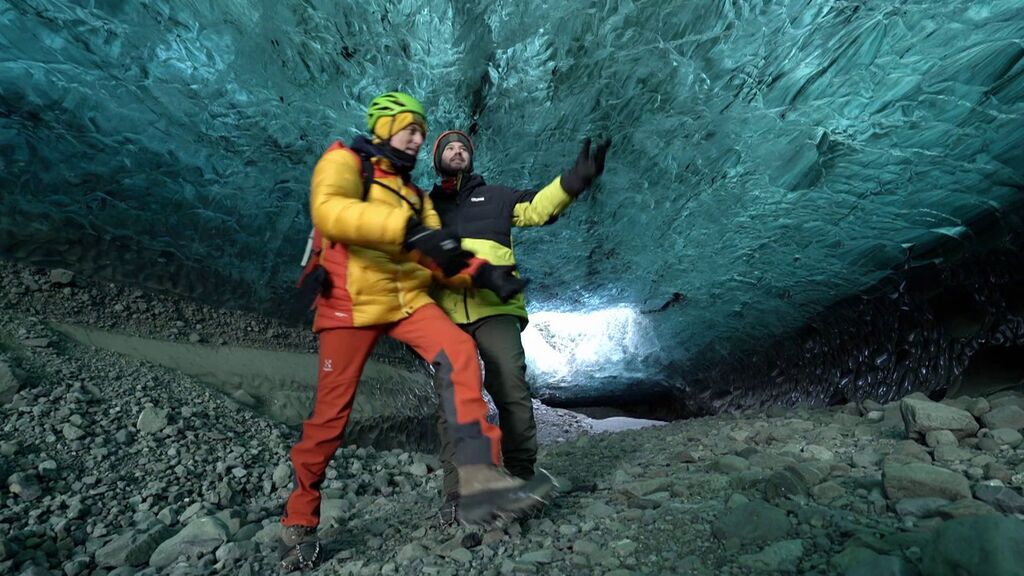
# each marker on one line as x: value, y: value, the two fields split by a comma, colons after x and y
x: 483, y: 215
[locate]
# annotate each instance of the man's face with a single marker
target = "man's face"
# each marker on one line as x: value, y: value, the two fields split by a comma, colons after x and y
x: 408, y: 139
x: 455, y: 157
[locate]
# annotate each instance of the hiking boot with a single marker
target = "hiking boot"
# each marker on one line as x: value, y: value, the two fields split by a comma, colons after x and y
x: 292, y: 535
x: 488, y: 493
x: 302, y: 548
x: 448, y: 513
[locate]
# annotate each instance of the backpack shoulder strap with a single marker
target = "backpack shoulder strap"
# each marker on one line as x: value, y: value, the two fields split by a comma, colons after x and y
x: 366, y: 172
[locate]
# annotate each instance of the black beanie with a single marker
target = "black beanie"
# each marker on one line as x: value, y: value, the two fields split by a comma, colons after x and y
x: 446, y: 139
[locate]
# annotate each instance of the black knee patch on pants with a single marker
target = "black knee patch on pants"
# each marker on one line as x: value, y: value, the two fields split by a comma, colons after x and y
x: 471, y: 446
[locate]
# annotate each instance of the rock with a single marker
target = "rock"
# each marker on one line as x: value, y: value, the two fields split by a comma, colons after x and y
x: 779, y: 557
x: 168, y: 516
x: 846, y: 420
x: 784, y: 484
x: 963, y: 508
x: 585, y: 547
x: 866, y: 459
x: 920, y: 507
x: 418, y: 469
x: 61, y: 276
x: 332, y: 509
x: 646, y: 487
x: 908, y: 452
x: 282, y: 475
x: 598, y: 510
x: 8, y: 449
x: 9, y: 385
x: 72, y: 432
x: 878, y: 565
x: 246, y: 532
x: 233, y: 519
x: 944, y: 453
x: 132, y: 548
x: 271, y: 533
x: 202, y: 536
x: 858, y: 561
x: 818, y: 452
x: 935, y: 438
x: 869, y: 405
x: 827, y: 492
x: 1009, y: 416
x: 1002, y: 498
x: 996, y: 471
x: 76, y: 566
x: 686, y: 457
x: 875, y: 416
x: 196, y: 510
x: 1006, y: 437
x: 545, y: 556
x: 1008, y: 400
x: 795, y: 480
x: 987, y: 445
x: 730, y: 464
x: 48, y: 469
x: 989, y: 545
x: 25, y: 485
x: 411, y: 552
x: 235, y: 551
x: 977, y: 407
x: 755, y: 521
x: 460, y: 555
x: 922, y: 480
x: 152, y: 420
x: 735, y: 500
x: 812, y: 473
x: 923, y: 416
x: 244, y: 398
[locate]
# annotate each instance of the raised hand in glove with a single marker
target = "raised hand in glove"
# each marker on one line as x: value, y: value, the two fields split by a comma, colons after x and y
x: 587, y: 168
x: 499, y: 280
x: 442, y: 246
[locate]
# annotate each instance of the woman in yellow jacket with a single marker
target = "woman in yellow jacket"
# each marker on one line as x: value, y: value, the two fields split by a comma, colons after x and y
x: 377, y: 246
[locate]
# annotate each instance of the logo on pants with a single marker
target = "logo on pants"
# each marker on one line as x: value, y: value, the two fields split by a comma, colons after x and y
x: 328, y: 365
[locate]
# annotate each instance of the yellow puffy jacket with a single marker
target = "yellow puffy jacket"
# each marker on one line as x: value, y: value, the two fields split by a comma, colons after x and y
x: 372, y: 280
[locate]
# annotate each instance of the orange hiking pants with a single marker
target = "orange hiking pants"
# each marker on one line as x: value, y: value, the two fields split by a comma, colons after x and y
x: 343, y: 353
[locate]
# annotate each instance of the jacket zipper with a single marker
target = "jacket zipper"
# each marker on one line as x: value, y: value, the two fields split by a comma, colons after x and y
x: 458, y: 230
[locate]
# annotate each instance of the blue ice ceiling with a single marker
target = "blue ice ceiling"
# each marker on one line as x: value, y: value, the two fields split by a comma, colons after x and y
x: 770, y: 157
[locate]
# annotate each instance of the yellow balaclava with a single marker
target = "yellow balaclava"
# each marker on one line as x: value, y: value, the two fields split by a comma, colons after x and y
x: 388, y: 126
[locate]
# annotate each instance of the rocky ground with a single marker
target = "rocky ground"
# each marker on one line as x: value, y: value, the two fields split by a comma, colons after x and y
x: 112, y: 466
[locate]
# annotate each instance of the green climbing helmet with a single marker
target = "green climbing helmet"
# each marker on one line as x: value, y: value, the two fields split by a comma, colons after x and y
x: 391, y: 104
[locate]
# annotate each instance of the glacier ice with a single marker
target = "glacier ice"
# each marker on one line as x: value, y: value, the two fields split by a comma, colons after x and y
x: 771, y: 157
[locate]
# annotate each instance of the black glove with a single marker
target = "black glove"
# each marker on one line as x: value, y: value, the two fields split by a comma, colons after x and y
x: 587, y: 168
x: 499, y: 280
x: 442, y: 246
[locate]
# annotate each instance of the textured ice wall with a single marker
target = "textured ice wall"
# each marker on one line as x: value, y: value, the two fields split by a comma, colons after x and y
x: 943, y: 330
x: 771, y: 157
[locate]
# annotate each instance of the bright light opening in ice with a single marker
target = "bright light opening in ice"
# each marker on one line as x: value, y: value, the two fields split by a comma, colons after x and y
x: 598, y: 342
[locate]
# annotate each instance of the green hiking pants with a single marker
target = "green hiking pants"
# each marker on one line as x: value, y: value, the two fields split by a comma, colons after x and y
x: 501, y: 349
